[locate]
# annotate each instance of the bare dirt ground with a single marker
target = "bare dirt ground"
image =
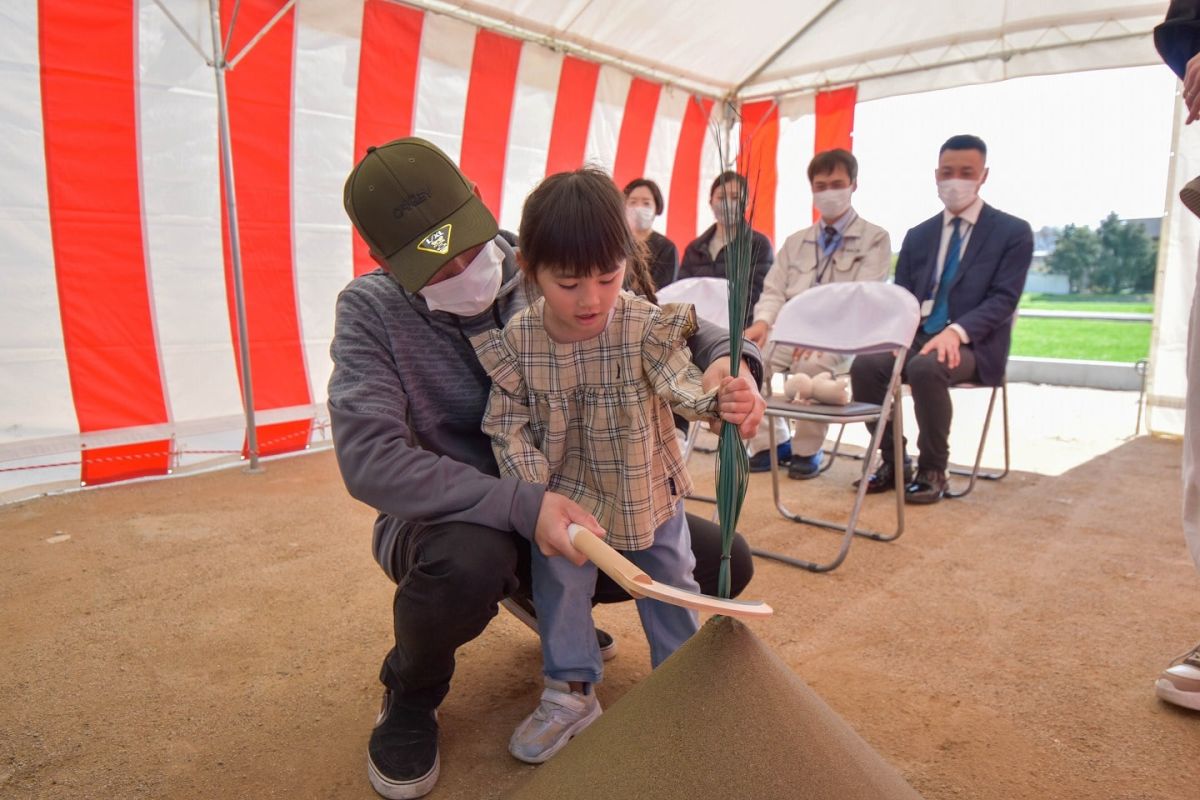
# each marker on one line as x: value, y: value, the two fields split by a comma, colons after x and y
x: 220, y: 635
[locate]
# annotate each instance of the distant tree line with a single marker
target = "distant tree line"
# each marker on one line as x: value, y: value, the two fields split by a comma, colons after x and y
x: 1116, y: 257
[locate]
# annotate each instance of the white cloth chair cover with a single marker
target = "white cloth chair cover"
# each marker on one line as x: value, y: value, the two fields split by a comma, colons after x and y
x: 851, y: 317
x: 710, y: 296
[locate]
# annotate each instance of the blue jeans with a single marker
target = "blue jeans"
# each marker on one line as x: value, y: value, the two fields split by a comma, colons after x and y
x: 562, y: 594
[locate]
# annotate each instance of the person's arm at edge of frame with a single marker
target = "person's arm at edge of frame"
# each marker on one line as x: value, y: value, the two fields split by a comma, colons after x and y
x: 1177, y: 37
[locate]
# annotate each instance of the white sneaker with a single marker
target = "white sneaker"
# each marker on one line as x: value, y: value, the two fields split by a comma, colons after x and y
x: 1180, y: 682
x: 560, y: 715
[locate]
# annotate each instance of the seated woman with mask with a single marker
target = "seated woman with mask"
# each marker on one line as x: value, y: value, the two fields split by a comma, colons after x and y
x: 706, y: 256
x: 644, y: 202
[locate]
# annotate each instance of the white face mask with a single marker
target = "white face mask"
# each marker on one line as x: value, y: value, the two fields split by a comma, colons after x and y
x: 957, y: 193
x: 640, y: 218
x: 832, y: 203
x: 724, y: 211
x: 471, y: 291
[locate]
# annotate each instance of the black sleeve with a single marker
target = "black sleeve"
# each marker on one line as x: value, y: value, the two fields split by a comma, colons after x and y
x: 1178, y: 37
x: 665, y: 268
x: 690, y: 265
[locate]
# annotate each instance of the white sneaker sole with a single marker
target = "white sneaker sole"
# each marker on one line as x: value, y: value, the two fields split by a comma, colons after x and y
x: 570, y: 734
x: 1167, y: 691
x: 404, y: 790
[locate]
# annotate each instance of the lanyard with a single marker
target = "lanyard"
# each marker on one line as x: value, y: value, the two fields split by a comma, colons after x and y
x: 825, y: 256
x: 824, y: 263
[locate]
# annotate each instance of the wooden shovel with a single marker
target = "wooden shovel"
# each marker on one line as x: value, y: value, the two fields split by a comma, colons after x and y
x: 639, y: 584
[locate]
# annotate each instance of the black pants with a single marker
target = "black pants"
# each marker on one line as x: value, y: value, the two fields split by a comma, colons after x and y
x: 454, y: 575
x: 930, y: 382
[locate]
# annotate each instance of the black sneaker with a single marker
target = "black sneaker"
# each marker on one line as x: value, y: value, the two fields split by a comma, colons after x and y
x: 521, y: 607
x: 402, y: 756
x: 608, y: 645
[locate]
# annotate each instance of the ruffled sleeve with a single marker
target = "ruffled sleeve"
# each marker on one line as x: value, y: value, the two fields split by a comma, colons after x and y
x: 499, y: 360
x: 507, y: 417
x: 668, y: 362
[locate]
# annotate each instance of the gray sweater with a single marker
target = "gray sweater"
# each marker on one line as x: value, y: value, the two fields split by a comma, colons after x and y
x: 406, y: 399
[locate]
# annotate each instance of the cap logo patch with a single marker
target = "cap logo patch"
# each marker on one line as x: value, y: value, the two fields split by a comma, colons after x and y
x: 437, y: 242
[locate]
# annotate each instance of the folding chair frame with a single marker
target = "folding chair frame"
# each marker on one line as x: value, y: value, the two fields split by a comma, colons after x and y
x: 688, y: 446
x: 974, y: 473
x: 891, y: 404
x: 715, y: 300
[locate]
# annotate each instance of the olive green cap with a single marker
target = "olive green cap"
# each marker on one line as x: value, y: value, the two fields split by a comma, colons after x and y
x: 415, y: 209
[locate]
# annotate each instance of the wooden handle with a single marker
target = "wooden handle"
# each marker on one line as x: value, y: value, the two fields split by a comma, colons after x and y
x: 615, y: 565
x: 633, y: 580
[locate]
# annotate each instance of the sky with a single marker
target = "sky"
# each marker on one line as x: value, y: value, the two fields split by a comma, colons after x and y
x: 1061, y: 149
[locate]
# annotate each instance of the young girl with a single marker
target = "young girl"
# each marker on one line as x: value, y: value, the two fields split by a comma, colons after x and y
x: 583, y: 385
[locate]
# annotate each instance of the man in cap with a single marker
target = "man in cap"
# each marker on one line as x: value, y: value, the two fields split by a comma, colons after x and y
x: 407, y: 397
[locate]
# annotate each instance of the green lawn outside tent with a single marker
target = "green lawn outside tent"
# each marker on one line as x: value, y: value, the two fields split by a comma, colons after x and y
x: 1092, y: 340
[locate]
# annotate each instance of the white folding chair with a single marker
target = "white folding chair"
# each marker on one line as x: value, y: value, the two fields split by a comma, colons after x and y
x: 850, y: 318
x: 710, y: 296
x: 974, y: 473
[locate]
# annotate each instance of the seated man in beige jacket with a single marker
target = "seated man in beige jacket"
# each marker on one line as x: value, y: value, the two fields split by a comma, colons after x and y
x: 841, y: 246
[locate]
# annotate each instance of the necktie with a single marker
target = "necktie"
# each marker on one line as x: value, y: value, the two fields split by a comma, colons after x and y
x: 940, y: 314
x: 830, y: 239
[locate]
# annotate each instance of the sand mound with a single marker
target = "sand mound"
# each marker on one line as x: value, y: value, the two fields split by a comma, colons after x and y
x: 723, y: 717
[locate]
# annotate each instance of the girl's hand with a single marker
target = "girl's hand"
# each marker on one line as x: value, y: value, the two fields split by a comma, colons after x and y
x: 739, y: 403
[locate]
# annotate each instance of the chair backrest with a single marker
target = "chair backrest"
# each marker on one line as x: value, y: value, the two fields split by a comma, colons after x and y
x: 710, y: 296
x: 849, y: 317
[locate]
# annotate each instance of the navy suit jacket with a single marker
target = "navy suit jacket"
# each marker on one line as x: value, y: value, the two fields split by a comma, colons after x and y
x: 987, y: 287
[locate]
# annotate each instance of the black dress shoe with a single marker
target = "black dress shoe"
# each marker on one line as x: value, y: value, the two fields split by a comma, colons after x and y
x: 928, y: 487
x: 883, y: 479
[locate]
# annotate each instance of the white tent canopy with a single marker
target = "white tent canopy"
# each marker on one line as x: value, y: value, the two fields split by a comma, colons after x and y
x: 123, y: 347
x: 769, y: 48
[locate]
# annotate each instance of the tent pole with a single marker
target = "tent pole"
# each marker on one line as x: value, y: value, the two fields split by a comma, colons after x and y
x: 771, y: 59
x: 1170, y: 216
x: 239, y: 295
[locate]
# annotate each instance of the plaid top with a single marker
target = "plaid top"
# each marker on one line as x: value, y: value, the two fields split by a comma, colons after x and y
x: 592, y: 420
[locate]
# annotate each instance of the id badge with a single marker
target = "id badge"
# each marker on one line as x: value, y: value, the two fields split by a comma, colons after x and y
x: 927, y: 308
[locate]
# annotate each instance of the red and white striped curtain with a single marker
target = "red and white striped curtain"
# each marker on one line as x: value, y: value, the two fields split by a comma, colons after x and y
x: 119, y: 353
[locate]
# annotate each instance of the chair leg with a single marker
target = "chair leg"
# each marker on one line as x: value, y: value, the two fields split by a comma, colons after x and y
x: 688, y: 446
x: 690, y: 442
x: 890, y: 406
x: 833, y: 454
x: 974, y: 473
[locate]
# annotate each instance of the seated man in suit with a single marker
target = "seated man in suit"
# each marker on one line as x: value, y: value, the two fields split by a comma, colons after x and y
x: 967, y: 267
